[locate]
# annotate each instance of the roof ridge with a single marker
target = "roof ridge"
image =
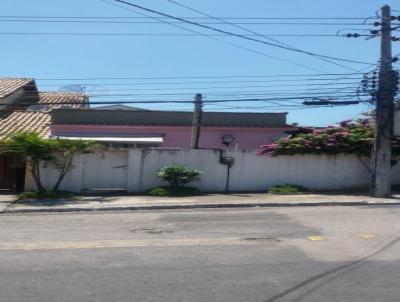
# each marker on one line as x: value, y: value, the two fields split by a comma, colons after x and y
x: 16, y: 78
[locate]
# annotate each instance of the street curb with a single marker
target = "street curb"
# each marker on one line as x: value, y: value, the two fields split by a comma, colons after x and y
x: 200, y: 206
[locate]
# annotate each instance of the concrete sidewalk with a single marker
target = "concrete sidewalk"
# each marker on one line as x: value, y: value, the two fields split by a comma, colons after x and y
x: 6, y: 200
x: 10, y: 204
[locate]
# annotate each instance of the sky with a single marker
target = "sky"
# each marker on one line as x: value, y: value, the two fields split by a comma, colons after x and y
x: 152, y: 61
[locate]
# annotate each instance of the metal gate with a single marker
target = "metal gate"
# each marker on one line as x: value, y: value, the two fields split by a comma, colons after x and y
x: 105, y: 171
x: 6, y: 174
x: 12, y: 173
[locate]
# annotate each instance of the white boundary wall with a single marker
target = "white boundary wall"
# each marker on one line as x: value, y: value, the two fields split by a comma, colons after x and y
x: 136, y: 170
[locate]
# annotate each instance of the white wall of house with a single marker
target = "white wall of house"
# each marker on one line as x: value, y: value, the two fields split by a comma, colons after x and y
x: 135, y: 170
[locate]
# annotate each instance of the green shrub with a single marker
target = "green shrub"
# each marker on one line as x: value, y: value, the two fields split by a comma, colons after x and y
x: 46, y: 195
x: 28, y: 195
x: 173, y: 191
x: 178, y: 176
x: 287, y: 189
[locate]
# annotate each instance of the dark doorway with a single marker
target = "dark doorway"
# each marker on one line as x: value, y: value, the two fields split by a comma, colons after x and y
x: 12, y: 174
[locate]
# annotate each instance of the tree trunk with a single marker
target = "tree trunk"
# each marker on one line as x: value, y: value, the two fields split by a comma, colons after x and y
x: 67, y: 164
x: 35, y: 166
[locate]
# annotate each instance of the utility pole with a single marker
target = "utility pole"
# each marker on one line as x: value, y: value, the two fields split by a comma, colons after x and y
x: 382, y: 151
x: 196, y: 122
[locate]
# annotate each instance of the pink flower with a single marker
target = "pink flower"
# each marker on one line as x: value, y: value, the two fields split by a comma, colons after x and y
x: 306, y: 142
x: 342, y: 134
x: 364, y: 121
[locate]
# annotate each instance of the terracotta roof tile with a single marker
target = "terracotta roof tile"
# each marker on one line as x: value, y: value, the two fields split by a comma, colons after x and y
x: 25, y: 121
x: 22, y: 116
x: 39, y: 122
x: 10, y: 85
x: 62, y: 99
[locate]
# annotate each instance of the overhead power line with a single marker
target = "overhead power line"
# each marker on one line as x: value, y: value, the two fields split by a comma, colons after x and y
x: 340, y: 75
x: 59, y: 34
x: 111, y: 85
x: 209, y: 106
x: 296, y: 92
x: 303, y: 82
x: 188, y: 17
x: 237, y: 35
x: 224, y: 94
x: 221, y: 95
x: 175, y: 22
x: 267, y: 37
x: 216, y: 38
x: 228, y: 87
x: 245, y: 100
x: 345, y: 77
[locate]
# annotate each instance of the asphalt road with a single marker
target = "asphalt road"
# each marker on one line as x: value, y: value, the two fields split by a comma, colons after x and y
x: 281, y: 254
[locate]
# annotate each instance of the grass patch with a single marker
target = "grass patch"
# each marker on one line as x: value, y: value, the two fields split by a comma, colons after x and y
x: 173, y: 191
x: 288, y: 189
x: 45, y: 195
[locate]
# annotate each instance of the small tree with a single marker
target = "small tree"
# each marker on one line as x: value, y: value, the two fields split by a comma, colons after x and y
x: 178, y: 176
x: 34, y: 149
x: 68, y: 149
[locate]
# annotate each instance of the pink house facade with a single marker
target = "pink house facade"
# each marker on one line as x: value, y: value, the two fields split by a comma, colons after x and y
x: 171, y: 129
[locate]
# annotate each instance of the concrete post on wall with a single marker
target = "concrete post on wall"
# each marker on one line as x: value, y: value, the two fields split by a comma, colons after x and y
x: 135, y: 170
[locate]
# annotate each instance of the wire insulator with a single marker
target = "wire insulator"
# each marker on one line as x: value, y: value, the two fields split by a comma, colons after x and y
x: 355, y: 35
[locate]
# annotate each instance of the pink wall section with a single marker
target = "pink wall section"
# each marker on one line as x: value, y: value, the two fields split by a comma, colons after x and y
x: 179, y: 137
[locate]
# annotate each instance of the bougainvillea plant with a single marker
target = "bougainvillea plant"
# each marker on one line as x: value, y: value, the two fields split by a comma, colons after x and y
x: 349, y: 137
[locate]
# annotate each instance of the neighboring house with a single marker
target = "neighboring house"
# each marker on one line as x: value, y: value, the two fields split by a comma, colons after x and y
x: 24, y: 108
x: 144, y: 128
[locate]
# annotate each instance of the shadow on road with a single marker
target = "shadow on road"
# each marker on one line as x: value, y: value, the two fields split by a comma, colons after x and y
x: 341, y: 270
